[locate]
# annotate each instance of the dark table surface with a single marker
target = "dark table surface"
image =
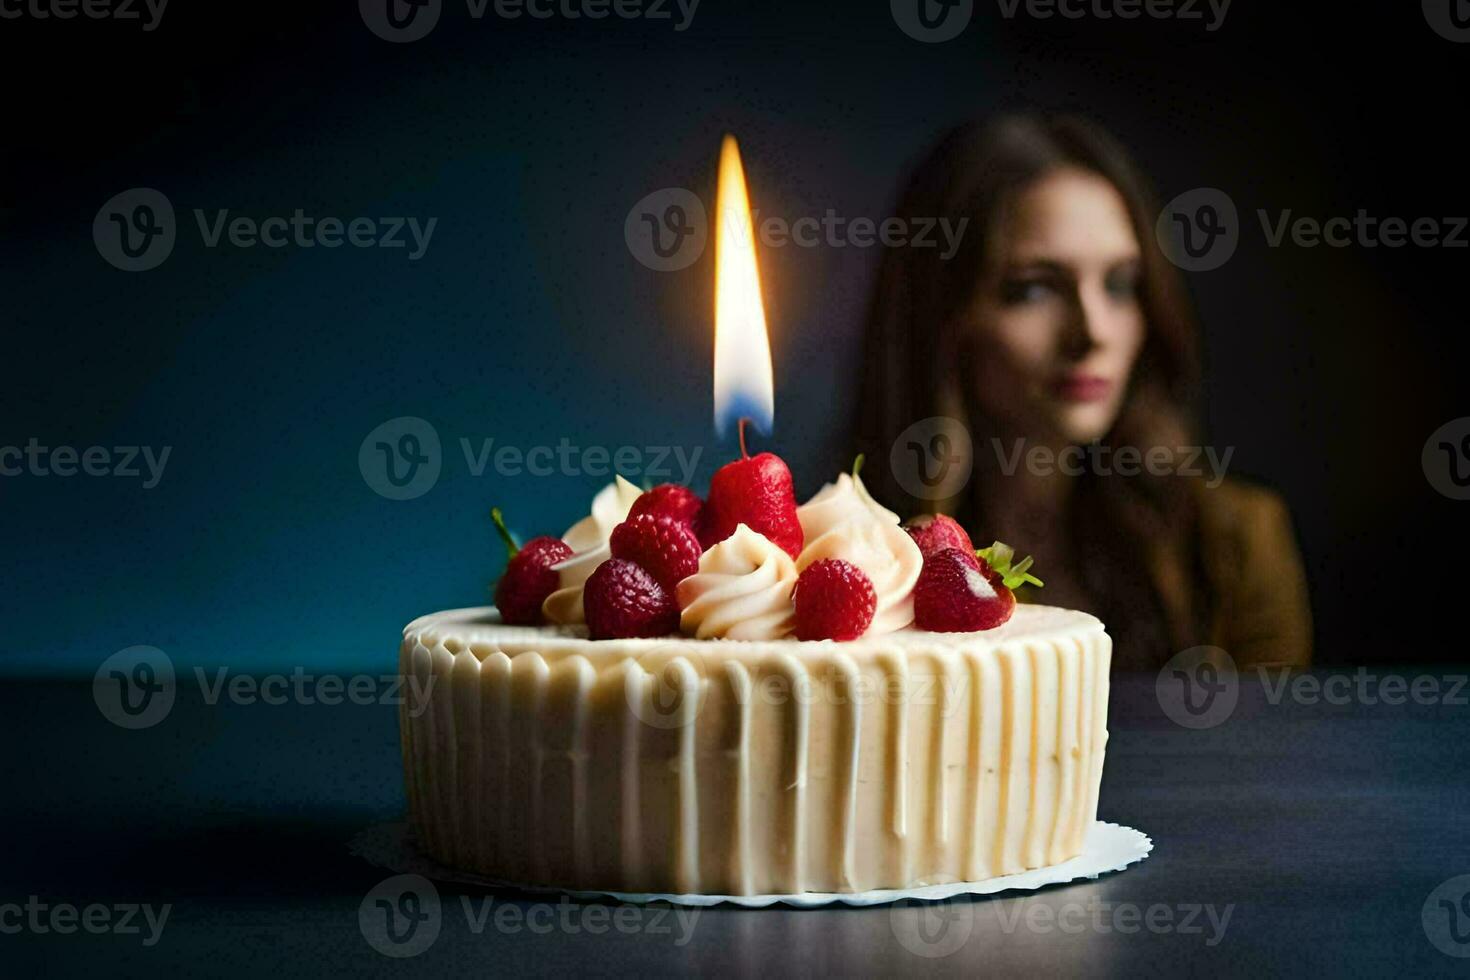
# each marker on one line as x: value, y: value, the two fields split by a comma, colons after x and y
x: 1323, y: 831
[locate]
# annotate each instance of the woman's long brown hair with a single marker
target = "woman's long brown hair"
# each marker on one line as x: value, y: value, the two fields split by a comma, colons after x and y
x: 1134, y: 538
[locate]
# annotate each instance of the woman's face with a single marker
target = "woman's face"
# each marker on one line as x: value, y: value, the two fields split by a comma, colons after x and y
x: 1056, y: 326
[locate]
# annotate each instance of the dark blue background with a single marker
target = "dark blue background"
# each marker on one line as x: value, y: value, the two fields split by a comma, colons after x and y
x: 529, y: 321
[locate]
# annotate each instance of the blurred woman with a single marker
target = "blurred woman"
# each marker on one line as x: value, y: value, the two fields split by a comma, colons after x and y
x: 1057, y: 335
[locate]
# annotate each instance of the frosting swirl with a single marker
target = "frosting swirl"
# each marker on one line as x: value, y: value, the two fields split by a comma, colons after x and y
x: 742, y: 590
x: 588, y: 538
x: 844, y: 521
x: 843, y: 500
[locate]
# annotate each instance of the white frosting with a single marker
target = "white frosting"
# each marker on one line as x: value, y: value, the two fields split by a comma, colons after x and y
x: 742, y: 590
x: 843, y: 521
x: 839, y: 502
x: 588, y: 539
x: 688, y: 766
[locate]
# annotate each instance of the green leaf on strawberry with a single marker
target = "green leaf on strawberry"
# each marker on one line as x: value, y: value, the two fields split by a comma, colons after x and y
x: 1001, y: 557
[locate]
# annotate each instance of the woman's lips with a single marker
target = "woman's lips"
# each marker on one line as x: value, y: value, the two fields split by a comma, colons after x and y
x: 1082, y: 388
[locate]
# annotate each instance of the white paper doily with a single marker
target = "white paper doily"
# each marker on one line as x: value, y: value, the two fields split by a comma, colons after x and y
x: 1109, y: 847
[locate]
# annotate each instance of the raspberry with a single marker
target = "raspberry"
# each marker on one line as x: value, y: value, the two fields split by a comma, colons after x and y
x: 960, y: 593
x: 622, y: 600
x: 834, y: 601
x: 661, y: 544
x: 677, y: 501
x: 756, y: 491
x: 529, y: 578
x: 935, y: 532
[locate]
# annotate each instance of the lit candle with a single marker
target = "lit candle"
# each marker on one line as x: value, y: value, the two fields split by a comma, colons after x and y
x: 743, y: 378
x: 756, y: 491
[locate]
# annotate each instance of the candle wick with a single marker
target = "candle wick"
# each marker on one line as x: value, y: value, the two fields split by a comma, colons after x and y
x: 743, y: 453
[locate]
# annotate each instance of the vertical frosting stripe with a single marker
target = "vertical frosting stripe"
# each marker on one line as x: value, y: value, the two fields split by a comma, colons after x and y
x: 465, y: 678
x: 845, y: 691
x: 528, y: 674
x: 635, y: 684
x: 799, y: 722
x: 687, y: 825
x: 495, y: 741
x: 740, y: 856
x: 1069, y: 654
x: 442, y: 754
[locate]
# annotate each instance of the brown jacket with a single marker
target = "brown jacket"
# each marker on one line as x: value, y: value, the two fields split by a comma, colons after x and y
x: 1261, y: 613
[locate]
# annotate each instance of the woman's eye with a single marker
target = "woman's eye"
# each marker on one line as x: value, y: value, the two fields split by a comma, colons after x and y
x: 1016, y: 291
x: 1122, y: 284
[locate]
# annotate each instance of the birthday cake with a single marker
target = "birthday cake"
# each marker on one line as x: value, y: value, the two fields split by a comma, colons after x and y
x: 741, y: 696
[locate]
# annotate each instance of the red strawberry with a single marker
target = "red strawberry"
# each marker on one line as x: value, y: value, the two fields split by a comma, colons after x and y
x: 834, y: 601
x: 962, y: 591
x: 957, y: 593
x: 935, y: 532
x: 663, y: 545
x: 623, y: 600
x: 677, y: 501
x: 756, y: 491
x: 529, y: 577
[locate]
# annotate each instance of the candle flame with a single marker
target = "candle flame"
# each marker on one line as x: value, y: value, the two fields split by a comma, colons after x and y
x: 743, y: 381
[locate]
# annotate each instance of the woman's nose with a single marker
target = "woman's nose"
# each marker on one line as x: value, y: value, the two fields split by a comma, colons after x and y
x: 1085, y: 318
